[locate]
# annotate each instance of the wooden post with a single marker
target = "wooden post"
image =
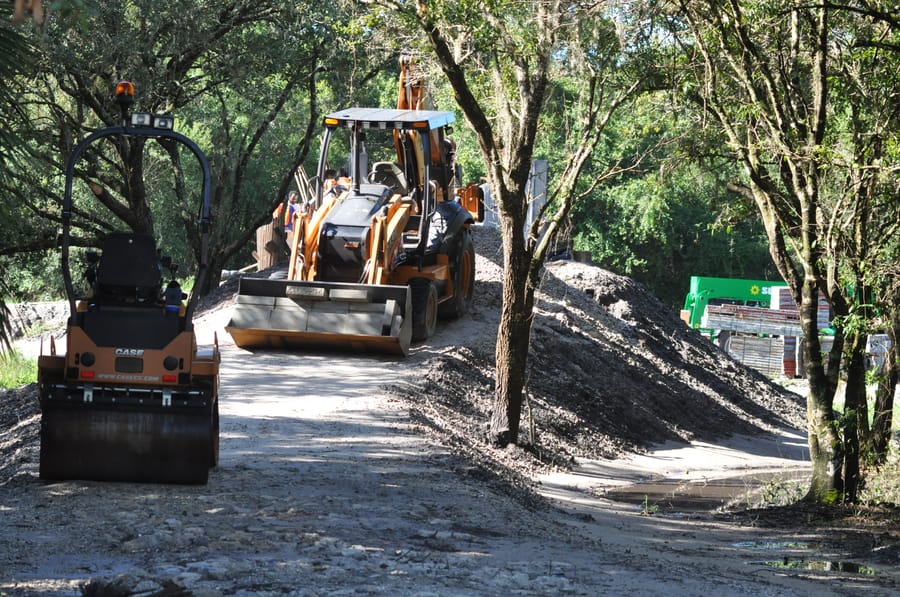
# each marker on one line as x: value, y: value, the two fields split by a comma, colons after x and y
x: 269, y: 246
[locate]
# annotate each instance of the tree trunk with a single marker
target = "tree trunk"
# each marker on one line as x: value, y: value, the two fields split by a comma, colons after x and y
x: 512, y: 356
x: 824, y: 447
x: 855, y: 422
x: 210, y: 282
x: 824, y: 444
x: 513, y: 337
x: 137, y: 211
x: 887, y: 386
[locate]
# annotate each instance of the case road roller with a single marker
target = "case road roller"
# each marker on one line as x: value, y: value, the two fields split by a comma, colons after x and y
x: 133, y: 398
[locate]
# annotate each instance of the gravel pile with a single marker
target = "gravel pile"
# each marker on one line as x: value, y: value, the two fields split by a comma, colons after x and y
x: 612, y: 371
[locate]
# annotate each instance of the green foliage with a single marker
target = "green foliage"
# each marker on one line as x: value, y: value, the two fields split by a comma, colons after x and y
x: 871, y: 378
x: 648, y: 509
x: 778, y: 492
x: 33, y: 276
x: 16, y: 369
x: 882, y: 485
x: 663, y: 231
x: 831, y: 497
x: 15, y: 59
x: 5, y: 319
x: 670, y: 217
x: 235, y: 77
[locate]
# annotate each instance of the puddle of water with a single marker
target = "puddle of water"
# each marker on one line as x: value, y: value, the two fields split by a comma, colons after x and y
x: 668, y: 495
x: 802, y: 564
x: 821, y: 566
x: 771, y: 545
x: 678, y: 496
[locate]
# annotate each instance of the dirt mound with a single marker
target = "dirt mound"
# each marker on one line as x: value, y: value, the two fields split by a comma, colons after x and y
x: 612, y: 370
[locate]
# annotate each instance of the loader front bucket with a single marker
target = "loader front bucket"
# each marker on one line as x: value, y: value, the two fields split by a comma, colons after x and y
x: 121, y: 436
x: 321, y: 315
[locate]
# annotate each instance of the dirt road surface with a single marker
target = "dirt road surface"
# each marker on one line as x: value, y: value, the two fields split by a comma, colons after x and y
x: 349, y: 474
x: 326, y: 487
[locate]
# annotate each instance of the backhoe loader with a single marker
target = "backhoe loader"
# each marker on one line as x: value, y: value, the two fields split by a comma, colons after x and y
x: 133, y: 398
x: 380, y: 251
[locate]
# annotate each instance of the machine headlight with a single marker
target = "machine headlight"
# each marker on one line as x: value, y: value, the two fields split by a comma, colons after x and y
x: 140, y: 119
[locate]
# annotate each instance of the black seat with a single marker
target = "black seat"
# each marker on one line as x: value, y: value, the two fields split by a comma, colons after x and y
x: 126, y: 309
x: 129, y: 269
x: 390, y: 175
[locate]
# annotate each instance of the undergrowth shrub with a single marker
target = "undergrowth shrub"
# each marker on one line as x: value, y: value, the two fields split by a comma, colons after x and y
x: 16, y: 369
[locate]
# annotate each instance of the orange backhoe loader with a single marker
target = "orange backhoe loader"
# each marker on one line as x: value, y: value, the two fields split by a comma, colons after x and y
x: 381, y: 251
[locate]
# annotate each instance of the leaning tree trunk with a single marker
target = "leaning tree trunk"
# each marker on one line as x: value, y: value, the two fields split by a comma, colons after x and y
x: 215, y: 265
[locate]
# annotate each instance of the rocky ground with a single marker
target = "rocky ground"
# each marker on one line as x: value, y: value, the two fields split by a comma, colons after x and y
x: 343, y: 474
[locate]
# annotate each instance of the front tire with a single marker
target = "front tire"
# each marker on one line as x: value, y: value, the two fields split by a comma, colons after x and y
x: 424, y: 308
x: 463, y: 275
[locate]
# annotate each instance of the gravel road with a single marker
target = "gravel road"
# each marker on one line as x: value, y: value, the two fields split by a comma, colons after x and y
x: 325, y: 487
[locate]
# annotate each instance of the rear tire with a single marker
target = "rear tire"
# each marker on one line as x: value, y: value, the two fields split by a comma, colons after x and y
x: 424, y: 308
x: 214, y: 438
x: 462, y: 272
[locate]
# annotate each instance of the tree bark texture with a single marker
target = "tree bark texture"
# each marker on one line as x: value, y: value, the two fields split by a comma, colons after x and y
x: 887, y: 385
x: 824, y: 442
x: 855, y: 420
x: 513, y: 335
